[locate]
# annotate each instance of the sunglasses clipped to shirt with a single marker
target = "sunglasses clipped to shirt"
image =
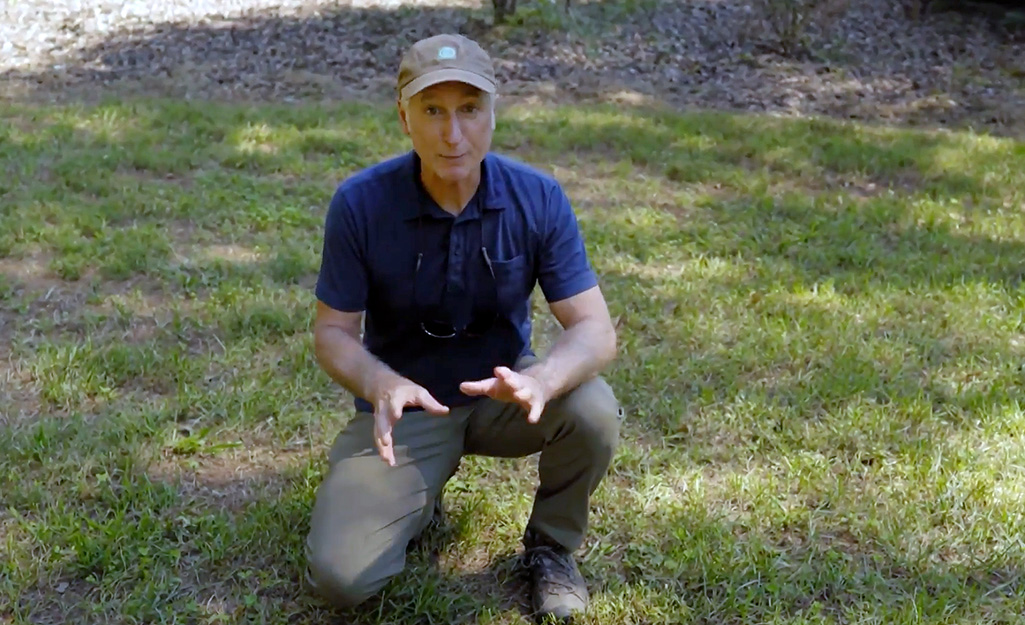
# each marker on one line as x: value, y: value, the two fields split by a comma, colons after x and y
x: 476, y: 326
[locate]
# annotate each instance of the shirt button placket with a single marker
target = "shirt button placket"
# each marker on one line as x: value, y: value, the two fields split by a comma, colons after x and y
x: 455, y: 265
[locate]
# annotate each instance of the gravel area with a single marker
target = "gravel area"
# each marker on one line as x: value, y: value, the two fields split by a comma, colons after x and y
x: 870, y: 61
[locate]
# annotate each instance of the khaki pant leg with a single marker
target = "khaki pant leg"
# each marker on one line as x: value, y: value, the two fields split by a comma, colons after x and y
x: 366, y: 512
x: 577, y: 437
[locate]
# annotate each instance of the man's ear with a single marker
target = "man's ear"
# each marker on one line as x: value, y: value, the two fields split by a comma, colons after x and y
x: 402, y: 118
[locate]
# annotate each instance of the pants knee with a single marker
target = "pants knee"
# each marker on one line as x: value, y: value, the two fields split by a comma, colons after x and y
x: 339, y: 584
x: 595, y: 413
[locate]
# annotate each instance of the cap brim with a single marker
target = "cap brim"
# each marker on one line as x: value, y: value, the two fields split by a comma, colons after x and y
x: 446, y: 75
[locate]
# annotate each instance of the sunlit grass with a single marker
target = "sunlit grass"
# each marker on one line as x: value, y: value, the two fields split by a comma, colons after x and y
x: 821, y: 327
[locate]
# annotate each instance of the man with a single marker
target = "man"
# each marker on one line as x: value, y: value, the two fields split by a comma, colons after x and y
x: 440, y: 249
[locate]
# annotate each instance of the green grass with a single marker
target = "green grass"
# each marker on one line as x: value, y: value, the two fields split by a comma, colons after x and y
x: 822, y: 343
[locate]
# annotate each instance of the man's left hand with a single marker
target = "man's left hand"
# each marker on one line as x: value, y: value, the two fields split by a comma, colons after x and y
x: 514, y: 388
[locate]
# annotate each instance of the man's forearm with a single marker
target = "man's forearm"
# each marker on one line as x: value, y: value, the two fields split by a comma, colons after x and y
x: 343, y: 357
x: 579, y: 354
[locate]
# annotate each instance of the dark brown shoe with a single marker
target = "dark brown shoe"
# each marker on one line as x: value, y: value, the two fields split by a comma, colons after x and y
x: 557, y: 589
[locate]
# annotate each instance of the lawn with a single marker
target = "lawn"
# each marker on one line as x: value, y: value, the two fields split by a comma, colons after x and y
x: 821, y: 331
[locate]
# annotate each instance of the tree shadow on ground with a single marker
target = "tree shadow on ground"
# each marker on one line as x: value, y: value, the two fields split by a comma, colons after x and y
x: 244, y: 563
x: 832, y: 199
x: 245, y: 559
x: 165, y: 540
x: 798, y: 237
x: 822, y: 201
x: 717, y: 570
x: 796, y: 368
x: 353, y: 53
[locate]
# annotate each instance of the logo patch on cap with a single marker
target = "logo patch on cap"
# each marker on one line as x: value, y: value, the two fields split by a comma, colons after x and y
x: 446, y: 52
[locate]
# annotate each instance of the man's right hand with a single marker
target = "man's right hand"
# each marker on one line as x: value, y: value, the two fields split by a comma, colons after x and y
x: 389, y: 399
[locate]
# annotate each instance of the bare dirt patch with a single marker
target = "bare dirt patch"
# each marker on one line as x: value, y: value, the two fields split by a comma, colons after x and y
x: 31, y: 272
x: 227, y: 479
x: 55, y: 602
x: 230, y: 252
x: 19, y: 399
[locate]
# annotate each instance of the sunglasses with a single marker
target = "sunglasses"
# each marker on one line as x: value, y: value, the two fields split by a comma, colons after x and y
x: 445, y: 329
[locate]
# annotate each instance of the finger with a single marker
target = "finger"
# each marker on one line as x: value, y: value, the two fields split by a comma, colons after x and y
x: 382, y: 426
x: 383, y: 438
x: 395, y: 406
x: 432, y: 405
x: 524, y: 394
x: 535, y: 412
x: 389, y: 409
x: 384, y: 418
x: 388, y: 455
x: 479, y: 387
x: 508, y: 376
x: 386, y: 450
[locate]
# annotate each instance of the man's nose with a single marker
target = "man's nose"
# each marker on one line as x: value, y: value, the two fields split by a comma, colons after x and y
x: 452, y: 132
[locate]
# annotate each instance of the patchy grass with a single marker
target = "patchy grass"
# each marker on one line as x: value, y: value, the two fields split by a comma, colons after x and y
x: 822, y: 337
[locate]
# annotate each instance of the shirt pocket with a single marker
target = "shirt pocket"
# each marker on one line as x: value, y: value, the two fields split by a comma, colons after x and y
x: 512, y: 278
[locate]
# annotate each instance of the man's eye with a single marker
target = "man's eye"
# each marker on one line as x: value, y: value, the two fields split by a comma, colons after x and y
x: 471, y: 108
x: 433, y: 110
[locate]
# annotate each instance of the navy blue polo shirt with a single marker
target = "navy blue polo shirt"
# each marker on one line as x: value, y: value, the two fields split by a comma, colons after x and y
x: 381, y: 220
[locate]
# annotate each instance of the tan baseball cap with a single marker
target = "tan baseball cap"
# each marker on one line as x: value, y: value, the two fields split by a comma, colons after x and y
x: 443, y: 58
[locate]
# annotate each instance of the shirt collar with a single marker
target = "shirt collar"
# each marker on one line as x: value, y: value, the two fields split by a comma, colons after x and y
x: 495, y: 193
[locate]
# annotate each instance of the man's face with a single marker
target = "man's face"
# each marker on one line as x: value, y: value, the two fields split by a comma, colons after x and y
x: 450, y: 125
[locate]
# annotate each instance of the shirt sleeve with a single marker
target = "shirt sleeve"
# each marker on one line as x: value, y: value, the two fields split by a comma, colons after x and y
x: 563, y: 270
x: 342, y: 283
